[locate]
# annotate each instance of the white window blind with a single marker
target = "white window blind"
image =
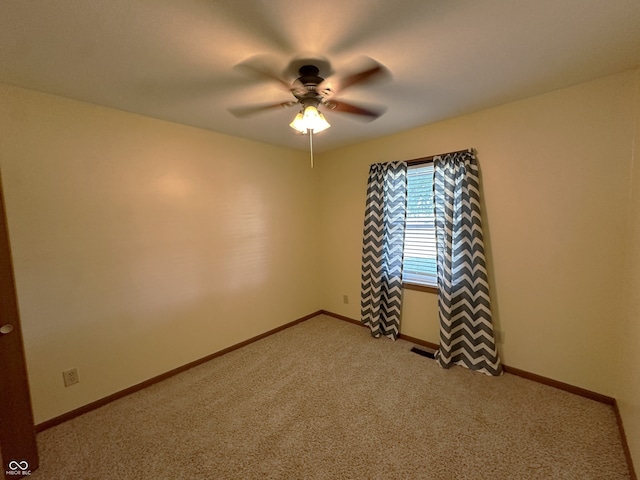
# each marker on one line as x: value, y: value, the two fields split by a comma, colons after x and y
x: 420, y: 234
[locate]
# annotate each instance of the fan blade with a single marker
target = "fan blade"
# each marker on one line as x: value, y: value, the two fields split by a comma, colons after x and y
x: 242, y: 112
x: 368, y: 114
x: 261, y: 67
x: 297, y: 88
x: 364, y: 76
x: 371, y: 72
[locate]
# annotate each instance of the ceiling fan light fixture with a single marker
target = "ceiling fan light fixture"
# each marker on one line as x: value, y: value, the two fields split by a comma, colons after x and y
x: 309, y: 120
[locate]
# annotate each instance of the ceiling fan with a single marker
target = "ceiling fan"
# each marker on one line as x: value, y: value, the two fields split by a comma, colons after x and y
x: 311, y: 91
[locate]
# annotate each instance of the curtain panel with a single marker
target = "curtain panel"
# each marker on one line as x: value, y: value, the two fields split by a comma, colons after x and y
x: 466, y: 329
x: 382, y: 248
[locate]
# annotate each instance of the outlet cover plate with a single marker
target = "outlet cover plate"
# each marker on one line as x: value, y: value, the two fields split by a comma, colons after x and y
x: 70, y: 377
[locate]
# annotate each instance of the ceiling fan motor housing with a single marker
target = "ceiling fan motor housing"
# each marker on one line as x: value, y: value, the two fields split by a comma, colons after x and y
x: 310, y: 76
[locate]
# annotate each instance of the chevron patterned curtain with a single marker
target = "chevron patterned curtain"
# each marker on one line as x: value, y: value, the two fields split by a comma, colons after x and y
x: 466, y: 330
x: 382, y: 248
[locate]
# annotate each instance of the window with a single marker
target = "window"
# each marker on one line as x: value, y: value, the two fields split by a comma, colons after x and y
x: 419, y: 265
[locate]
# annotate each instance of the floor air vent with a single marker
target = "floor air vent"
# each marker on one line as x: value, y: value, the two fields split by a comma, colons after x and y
x: 424, y: 353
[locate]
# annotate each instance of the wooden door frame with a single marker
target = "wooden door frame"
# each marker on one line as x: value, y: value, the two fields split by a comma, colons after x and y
x: 17, y: 432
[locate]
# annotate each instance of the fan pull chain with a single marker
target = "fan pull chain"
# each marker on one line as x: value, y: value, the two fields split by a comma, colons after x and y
x: 310, y: 132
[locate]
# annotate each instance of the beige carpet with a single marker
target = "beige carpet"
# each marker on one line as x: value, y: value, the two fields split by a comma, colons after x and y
x: 324, y: 400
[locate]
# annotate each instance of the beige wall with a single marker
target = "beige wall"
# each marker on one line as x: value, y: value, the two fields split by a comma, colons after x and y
x: 555, y: 173
x: 628, y: 388
x: 140, y: 245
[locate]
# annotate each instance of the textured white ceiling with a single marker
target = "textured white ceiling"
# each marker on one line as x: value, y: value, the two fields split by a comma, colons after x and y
x: 175, y: 60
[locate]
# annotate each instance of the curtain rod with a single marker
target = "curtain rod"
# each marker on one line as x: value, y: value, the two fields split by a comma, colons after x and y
x: 418, y: 161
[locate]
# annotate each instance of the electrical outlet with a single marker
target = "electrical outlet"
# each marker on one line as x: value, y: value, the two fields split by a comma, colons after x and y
x: 345, y: 299
x: 70, y: 377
